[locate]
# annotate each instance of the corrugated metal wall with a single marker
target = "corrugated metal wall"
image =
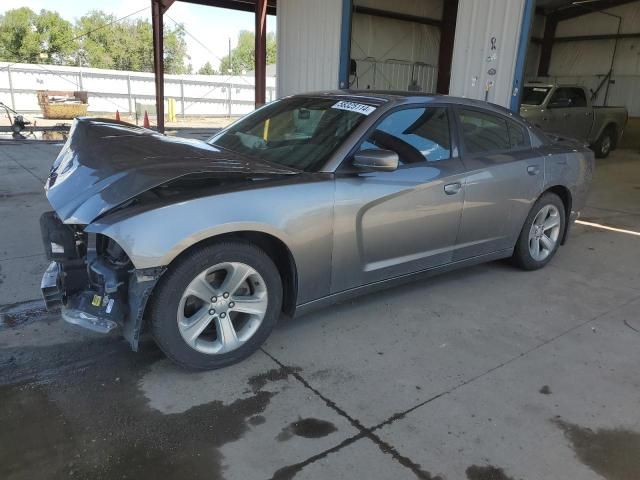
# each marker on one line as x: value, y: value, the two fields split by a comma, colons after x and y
x: 594, y: 57
x: 308, y: 45
x: 476, y: 55
x: 391, y: 54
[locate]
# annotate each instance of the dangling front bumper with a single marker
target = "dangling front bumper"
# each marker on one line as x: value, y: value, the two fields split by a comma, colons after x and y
x: 86, y: 309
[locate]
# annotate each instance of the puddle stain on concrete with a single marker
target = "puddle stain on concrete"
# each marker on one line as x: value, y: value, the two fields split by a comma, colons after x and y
x: 96, y: 423
x: 611, y: 453
x: 14, y: 315
x: 307, y: 428
x: 486, y: 472
x: 258, y: 382
x: 257, y: 420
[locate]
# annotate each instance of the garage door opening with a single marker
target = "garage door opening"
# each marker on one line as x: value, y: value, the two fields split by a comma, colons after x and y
x: 594, y: 46
x: 402, y: 45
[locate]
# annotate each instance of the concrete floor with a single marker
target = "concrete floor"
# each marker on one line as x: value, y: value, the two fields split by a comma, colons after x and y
x: 489, y: 373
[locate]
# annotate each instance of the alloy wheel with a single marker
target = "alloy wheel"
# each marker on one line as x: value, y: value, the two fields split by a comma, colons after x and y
x: 222, y: 308
x: 544, y: 232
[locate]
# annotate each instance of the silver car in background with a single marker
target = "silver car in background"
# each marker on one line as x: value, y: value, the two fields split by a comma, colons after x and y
x: 568, y: 111
x: 307, y: 201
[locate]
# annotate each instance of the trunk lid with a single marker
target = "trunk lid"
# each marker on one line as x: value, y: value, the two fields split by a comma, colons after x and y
x: 105, y: 163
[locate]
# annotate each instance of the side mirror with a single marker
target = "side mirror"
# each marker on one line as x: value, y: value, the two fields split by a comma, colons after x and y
x: 376, y: 160
x: 560, y: 103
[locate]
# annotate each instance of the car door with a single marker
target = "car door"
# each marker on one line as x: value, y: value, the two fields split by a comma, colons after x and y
x: 581, y: 116
x: 569, y: 114
x: 504, y: 176
x: 389, y: 224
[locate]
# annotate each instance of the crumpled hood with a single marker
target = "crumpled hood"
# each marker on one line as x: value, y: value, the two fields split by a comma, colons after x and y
x: 105, y: 163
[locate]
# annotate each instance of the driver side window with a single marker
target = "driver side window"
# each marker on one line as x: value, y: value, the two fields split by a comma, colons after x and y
x: 415, y: 134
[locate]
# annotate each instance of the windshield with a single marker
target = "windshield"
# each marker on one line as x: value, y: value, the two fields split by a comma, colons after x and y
x: 297, y: 132
x: 534, y: 95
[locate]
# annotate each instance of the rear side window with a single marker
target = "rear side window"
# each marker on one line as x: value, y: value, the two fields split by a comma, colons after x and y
x: 578, y: 98
x: 574, y: 97
x: 518, y: 136
x: 415, y: 134
x: 483, y: 132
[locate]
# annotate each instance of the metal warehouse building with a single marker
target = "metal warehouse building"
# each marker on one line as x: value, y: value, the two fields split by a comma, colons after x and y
x: 483, y: 49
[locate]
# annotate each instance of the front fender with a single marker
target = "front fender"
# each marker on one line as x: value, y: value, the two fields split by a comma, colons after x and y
x: 156, y: 237
x: 300, y: 216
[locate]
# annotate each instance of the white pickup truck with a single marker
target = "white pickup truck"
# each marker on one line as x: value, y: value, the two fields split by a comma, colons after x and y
x: 567, y: 111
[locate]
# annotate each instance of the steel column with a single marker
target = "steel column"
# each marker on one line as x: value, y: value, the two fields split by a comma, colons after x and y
x: 345, y: 44
x: 447, y: 37
x: 551, y: 24
x: 521, y: 58
x: 158, y: 59
x: 261, y: 53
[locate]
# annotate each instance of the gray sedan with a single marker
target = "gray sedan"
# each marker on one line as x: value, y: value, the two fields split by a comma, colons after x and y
x: 307, y: 201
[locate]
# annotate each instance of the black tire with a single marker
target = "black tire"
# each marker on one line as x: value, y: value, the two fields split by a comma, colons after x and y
x: 522, y: 256
x: 166, y: 299
x: 605, y: 143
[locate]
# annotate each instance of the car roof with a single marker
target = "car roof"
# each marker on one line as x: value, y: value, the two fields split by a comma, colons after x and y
x: 382, y: 97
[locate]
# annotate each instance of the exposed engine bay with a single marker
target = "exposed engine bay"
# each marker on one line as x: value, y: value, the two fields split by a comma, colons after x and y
x: 92, y: 280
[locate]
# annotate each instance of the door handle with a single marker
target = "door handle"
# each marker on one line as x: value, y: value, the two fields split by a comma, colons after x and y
x: 452, y: 188
x: 533, y: 169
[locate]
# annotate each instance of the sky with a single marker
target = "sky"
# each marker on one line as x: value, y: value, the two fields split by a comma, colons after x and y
x: 211, y: 26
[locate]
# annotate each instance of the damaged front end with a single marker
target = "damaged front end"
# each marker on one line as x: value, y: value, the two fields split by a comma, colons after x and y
x: 92, y: 281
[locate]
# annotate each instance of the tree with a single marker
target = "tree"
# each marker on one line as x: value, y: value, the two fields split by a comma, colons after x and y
x: 128, y: 44
x: 45, y: 37
x: 207, y: 69
x: 243, y: 55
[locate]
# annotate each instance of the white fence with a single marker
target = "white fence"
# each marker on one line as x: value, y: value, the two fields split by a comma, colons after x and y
x: 394, y: 75
x: 111, y: 90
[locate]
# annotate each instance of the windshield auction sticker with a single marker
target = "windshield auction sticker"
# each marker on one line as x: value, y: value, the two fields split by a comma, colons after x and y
x: 354, y: 107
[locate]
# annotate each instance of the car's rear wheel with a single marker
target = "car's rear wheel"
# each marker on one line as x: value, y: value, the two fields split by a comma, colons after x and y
x: 541, y: 234
x: 605, y: 143
x: 217, y: 305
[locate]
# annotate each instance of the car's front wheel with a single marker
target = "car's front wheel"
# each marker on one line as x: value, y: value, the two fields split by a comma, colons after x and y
x: 216, y: 305
x: 541, y: 234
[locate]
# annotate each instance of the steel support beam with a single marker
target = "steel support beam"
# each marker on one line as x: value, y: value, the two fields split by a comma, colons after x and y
x: 261, y: 53
x: 547, y: 46
x: 238, y: 5
x: 376, y: 12
x: 344, y: 72
x: 521, y: 57
x: 447, y: 37
x: 158, y: 7
x: 158, y: 60
x: 582, y: 38
x: 578, y: 9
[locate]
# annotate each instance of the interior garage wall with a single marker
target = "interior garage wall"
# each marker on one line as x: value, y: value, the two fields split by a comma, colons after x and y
x: 390, y: 53
x: 475, y: 55
x: 308, y: 36
x: 587, y: 62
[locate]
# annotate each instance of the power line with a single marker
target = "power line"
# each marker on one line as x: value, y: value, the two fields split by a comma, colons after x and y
x: 180, y: 25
